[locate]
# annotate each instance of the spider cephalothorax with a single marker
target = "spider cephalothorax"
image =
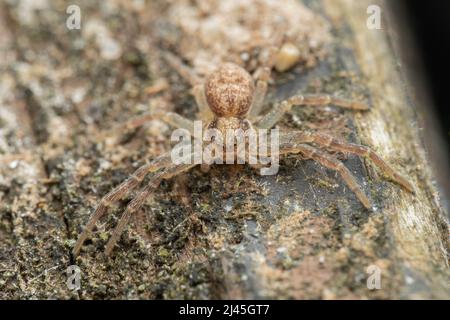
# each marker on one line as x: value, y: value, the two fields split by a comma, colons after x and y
x: 230, y: 100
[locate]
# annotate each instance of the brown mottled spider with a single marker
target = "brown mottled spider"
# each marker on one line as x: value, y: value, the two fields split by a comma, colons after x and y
x: 229, y: 99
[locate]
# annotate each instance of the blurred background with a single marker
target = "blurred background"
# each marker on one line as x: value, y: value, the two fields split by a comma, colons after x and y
x: 431, y: 29
x: 424, y: 46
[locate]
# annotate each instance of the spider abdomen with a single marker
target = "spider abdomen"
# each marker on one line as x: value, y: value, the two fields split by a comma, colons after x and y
x: 229, y: 91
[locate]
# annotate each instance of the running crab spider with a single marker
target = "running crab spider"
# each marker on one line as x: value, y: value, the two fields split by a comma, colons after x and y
x: 228, y: 99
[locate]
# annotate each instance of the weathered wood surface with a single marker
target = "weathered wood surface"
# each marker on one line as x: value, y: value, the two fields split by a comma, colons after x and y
x: 300, y: 234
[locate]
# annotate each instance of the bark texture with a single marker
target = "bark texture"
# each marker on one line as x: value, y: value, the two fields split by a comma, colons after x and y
x: 300, y: 234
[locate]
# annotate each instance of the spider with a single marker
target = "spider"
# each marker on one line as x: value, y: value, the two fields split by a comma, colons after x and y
x: 230, y: 98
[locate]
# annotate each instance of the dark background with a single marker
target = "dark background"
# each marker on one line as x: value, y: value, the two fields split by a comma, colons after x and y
x: 429, y: 22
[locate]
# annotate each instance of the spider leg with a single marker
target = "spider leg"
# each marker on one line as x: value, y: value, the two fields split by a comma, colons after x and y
x: 279, y: 109
x: 204, y: 112
x: 137, y: 202
x: 171, y: 118
x: 328, y: 162
x: 117, y: 193
x: 182, y: 69
x: 260, y: 92
x: 327, y: 141
x: 262, y: 74
x: 191, y: 77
